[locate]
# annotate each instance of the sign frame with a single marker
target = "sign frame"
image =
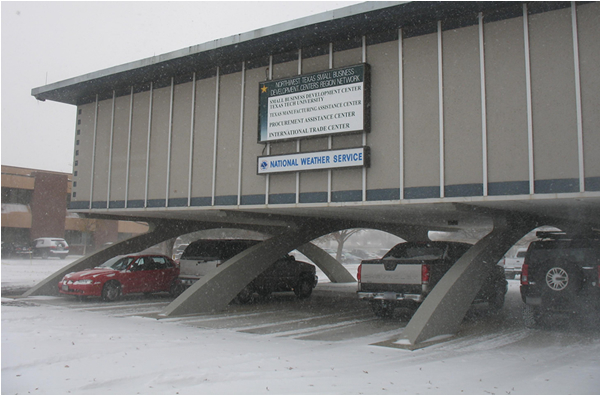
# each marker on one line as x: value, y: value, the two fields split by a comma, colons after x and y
x: 340, y: 163
x: 337, y: 90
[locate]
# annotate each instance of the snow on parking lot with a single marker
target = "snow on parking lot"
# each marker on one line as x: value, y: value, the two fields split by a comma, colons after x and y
x: 53, y: 349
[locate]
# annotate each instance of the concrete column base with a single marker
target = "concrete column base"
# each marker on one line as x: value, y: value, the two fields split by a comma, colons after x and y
x: 445, y: 307
x: 216, y: 290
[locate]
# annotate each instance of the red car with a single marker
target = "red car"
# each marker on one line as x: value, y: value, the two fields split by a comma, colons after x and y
x: 124, y: 274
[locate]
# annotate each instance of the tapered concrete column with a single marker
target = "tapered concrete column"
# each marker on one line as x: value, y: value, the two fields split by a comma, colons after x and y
x: 445, y: 307
x: 214, y: 291
x: 334, y: 270
x: 158, y: 233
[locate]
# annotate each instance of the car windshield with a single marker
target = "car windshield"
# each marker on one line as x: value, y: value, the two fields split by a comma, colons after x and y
x: 419, y: 251
x: 118, y: 263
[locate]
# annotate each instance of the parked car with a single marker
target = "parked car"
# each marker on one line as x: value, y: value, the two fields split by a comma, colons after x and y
x: 15, y: 250
x: 287, y: 274
x: 512, y: 264
x: 561, y: 274
x: 125, y: 274
x: 46, y: 247
x: 409, y: 271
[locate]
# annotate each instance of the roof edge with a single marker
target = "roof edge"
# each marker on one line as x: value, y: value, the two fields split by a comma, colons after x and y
x: 220, y: 43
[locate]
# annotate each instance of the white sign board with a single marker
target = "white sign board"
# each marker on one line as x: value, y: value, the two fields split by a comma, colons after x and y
x: 350, y: 157
x: 323, y: 103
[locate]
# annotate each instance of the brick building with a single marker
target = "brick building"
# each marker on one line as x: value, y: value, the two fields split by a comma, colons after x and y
x: 34, y: 204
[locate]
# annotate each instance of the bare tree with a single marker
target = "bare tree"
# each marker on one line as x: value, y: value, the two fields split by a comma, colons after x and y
x: 340, y: 237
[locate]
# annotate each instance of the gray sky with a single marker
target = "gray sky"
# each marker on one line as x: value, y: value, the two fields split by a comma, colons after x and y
x: 46, y: 42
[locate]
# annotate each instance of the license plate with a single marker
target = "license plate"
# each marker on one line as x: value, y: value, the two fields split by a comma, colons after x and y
x: 65, y: 287
x: 389, y: 296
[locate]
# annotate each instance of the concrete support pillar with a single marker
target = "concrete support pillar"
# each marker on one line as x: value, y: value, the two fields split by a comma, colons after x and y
x: 158, y: 233
x: 445, y: 307
x: 214, y: 291
x: 334, y: 270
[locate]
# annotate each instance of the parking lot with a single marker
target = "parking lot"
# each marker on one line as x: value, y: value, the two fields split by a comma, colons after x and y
x: 328, y: 343
x: 332, y: 313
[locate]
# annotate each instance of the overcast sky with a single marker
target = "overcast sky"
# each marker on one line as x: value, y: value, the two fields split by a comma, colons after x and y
x: 47, y: 42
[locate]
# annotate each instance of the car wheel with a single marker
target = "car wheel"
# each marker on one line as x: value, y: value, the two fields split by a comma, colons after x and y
x: 561, y: 278
x: 45, y: 255
x: 382, y: 309
x: 496, y: 301
x: 244, y: 296
x: 531, y: 316
x: 176, y: 288
x: 304, y: 288
x: 111, y: 291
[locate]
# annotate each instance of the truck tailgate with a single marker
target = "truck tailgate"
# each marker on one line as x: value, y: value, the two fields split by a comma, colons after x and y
x: 375, y: 273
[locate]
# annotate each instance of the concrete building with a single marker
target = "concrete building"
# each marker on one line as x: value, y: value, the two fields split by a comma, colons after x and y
x: 34, y: 204
x: 403, y: 117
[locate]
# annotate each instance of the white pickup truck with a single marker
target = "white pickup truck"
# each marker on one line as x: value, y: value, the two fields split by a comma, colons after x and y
x: 408, y: 272
x: 512, y: 264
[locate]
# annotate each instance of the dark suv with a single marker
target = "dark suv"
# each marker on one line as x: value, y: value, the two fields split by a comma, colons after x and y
x: 561, y: 274
x: 204, y: 256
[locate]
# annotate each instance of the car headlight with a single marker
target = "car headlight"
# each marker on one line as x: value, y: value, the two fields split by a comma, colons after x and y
x: 80, y: 282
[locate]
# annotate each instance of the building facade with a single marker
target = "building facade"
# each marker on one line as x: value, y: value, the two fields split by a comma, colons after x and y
x: 477, y: 104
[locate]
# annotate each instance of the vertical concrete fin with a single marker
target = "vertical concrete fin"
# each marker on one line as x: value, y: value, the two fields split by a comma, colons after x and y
x: 445, y: 307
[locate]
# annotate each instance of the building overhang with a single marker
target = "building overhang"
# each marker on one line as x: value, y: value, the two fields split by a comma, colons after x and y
x: 446, y: 215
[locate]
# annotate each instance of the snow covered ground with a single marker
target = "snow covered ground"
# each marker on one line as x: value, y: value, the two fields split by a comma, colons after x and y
x: 57, y: 349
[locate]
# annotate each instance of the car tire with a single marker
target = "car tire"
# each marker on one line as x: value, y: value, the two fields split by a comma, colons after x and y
x: 496, y: 301
x: 44, y: 254
x: 382, y: 309
x: 531, y: 316
x: 111, y: 291
x: 244, y: 296
x: 561, y: 278
x: 176, y: 288
x: 304, y: 288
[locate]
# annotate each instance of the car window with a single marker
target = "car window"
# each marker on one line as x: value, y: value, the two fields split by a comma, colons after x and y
x: 580, y: 254
x: 424, y: 251
x: 211, y: 250
x: 143, y: 263
x: 161, y: 262
x: 118, y: 263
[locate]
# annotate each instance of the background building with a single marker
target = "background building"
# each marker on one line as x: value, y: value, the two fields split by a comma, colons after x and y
x: 34, y: 204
